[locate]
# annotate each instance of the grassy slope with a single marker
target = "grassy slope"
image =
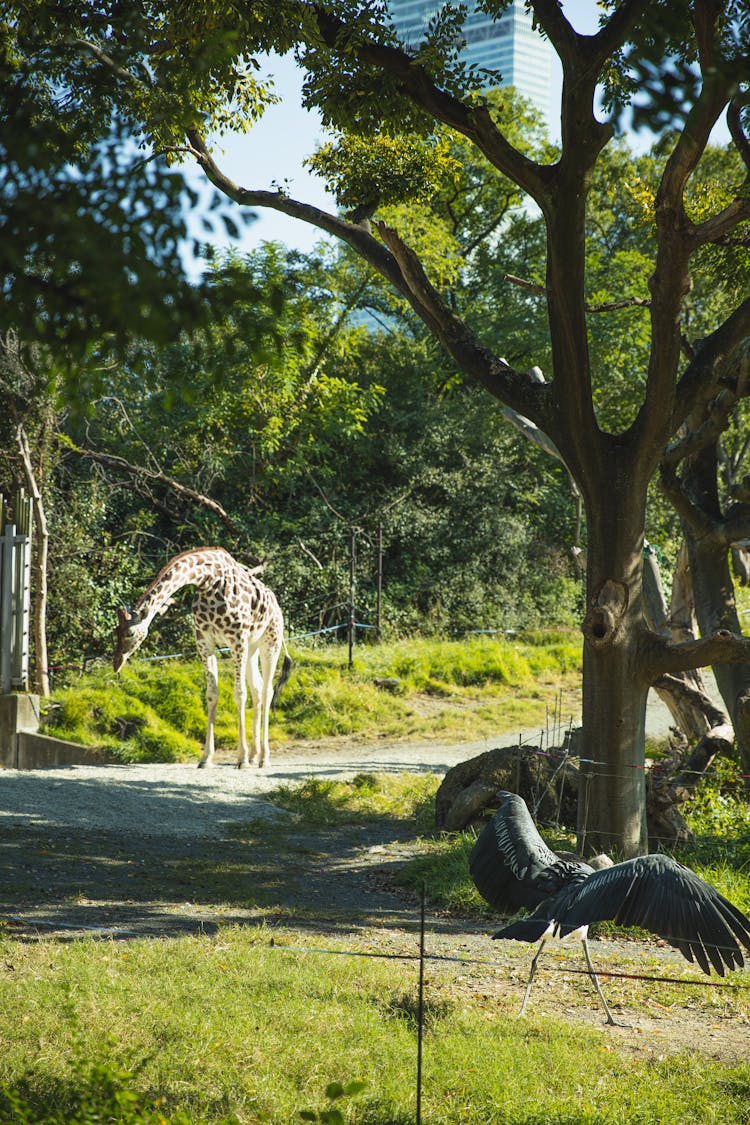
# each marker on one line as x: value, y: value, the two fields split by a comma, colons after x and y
x: 452, y: 690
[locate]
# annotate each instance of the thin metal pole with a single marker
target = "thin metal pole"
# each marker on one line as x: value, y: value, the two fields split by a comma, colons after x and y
x: 351, y: 628
x: 380, y: 578
x: 420, y: 1006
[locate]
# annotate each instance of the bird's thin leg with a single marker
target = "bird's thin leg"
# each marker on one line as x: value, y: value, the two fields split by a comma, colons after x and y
x: 532, y: 974
x: 595, y: 979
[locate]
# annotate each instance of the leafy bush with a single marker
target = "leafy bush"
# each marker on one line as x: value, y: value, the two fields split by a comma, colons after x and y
x: 96, y: 1093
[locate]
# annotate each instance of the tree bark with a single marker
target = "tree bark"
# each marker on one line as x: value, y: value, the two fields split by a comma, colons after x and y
x: 716, y: 609
x: 615, y: 681
x: 708, y: 538
x: 684, y: 695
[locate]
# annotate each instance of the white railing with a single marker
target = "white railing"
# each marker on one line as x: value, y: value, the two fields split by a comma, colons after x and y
x: 15, y: 585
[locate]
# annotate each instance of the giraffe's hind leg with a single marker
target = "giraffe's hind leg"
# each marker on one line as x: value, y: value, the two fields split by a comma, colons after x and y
x: 269, y: 658
x: 212, y: 698
x: 240, y: 699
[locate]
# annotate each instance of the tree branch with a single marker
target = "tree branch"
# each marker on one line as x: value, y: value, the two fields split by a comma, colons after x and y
x: 151, y: 477
x: 591, y: 49
x: 719, y: 226
x: 401, y: 267
x: 608, y: 306
x: 717, y: 416
x: 696, y: 438
x: 699, y: 382
x: 702, y: 525
x: 693, y: 695
x: 516, y: 389
x: 476, y: 123
x: 736, y: 131
x: 105, y: 59
x: 721, y: 648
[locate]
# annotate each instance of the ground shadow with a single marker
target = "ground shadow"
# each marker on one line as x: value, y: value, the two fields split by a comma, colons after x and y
x: 62, y: 869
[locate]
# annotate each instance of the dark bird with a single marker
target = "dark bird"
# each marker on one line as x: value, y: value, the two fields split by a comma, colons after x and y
x: 513, y: 869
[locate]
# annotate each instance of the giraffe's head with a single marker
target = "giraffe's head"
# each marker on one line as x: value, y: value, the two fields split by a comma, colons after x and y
x: 131, y: 633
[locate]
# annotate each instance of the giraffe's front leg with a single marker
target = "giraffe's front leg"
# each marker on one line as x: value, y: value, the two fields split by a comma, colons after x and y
x: 212, y: 698
x: 268, y: 661
x: 240, y: 699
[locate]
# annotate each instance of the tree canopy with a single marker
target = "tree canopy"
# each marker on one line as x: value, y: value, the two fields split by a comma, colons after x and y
x: 404, y: 121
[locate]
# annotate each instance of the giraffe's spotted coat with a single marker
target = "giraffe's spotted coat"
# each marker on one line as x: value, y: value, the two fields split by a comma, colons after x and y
x: 233, y: 609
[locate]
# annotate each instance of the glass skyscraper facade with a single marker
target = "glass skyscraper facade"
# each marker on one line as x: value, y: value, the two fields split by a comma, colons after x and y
x: 509, y: 44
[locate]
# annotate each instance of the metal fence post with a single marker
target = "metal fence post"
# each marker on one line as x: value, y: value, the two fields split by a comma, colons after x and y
x: 15, y: 594
x: 6, y: 607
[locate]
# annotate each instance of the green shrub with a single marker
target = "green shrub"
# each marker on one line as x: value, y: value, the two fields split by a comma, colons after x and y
x: 94, y: 1093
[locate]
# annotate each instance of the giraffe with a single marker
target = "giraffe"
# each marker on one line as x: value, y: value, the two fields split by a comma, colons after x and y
x: 231, y: 608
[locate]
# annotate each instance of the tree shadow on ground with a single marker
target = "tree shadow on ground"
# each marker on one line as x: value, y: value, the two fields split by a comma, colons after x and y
x: 60, y: 868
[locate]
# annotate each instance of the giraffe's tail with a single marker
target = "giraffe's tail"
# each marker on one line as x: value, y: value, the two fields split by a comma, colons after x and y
x: 286, y: 671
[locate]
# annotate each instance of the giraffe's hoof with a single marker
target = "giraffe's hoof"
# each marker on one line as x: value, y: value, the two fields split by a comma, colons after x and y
x: 243, y: 765
x: 205, y: 764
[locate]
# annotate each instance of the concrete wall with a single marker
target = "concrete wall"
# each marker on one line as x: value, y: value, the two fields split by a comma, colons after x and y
x: 40, y: 751
x: 22, y: 747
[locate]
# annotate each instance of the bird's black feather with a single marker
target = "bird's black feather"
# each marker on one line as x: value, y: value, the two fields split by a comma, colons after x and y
x: 512, y: 867
x: 510, y: 864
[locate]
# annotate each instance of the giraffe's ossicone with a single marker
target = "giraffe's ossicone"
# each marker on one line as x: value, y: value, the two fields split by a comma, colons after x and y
x: 232, y: 609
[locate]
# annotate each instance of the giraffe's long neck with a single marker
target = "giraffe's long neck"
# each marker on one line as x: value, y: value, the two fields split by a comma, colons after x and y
x: 192, y: 568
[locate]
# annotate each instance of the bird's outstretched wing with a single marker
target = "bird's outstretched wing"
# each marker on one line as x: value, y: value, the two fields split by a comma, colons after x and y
x: 510, y: 864
x: 660, y: 895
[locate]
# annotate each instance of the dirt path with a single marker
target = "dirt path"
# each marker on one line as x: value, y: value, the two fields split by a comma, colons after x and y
x: 165, y: 850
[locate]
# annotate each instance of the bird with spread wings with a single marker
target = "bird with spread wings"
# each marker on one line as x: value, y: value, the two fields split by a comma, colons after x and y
x: 513, y: 869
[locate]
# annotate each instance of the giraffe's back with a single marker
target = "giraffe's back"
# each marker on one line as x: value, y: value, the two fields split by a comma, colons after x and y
x: 231, y: 603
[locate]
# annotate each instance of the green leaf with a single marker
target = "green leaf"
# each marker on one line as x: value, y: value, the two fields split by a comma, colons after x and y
x: 332, y: 1117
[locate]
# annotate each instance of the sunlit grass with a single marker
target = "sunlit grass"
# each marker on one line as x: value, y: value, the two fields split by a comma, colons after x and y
x: 420, y: 690
x: 252, y: 1025
x: 366, y: 797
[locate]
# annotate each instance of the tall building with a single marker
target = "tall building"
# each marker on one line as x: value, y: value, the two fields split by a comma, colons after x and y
x: 509, y: 44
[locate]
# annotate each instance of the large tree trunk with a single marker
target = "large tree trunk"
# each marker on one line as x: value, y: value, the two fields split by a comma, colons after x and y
x: 612, y: 816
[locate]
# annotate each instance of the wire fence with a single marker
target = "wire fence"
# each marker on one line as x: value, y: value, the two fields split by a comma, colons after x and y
x: 421, y: 956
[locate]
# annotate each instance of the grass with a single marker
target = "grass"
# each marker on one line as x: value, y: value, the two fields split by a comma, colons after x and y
x: 260, y: 1024
x: 450, y: 690
x: 238, y: 1028
x: 366, y: 798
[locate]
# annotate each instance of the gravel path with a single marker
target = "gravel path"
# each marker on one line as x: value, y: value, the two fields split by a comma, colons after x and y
x: 178, y: 800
